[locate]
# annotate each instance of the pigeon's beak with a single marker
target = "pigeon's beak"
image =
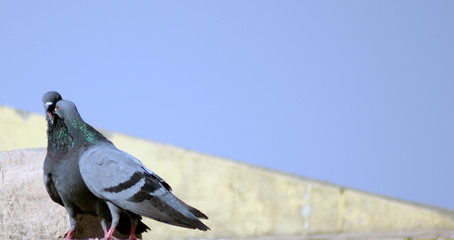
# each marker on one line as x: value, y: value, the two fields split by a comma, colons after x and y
x: 49, y: 112
x: 51, y: 117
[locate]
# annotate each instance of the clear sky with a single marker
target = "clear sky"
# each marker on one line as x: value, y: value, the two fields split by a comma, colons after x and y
x: 356, y: 93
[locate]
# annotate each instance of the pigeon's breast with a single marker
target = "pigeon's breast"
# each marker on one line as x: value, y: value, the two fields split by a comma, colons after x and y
x: 72, y: 188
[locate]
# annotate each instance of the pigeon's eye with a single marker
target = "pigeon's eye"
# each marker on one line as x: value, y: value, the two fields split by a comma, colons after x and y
x: 56, y: 108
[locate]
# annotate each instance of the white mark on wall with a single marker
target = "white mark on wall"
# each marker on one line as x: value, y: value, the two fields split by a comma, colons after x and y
x: 306, y: 209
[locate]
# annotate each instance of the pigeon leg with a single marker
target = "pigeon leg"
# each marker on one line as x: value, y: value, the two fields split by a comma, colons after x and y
x: 134, y: 221
x: 103, y: 212
x: 72, y: 221
x: 115, y: 212
x: 104, y: 226
x: 69, y: 235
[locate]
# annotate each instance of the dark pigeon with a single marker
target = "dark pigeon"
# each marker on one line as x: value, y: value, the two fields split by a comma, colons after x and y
x: 121, y: 180
x: 62, y: 178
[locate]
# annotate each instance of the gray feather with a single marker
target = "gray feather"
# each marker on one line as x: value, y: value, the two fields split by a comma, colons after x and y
x: 118, y: 177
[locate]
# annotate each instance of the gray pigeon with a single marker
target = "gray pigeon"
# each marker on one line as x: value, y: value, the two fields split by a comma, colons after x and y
x: 121, y: 180
x: 62, y: 178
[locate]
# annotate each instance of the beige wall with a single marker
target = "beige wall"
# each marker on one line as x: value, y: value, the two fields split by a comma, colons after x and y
x: 241, y: 200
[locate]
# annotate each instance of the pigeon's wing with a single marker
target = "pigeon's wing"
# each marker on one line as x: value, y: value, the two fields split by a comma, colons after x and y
x: 50, y: 187
x: 51, y: 190
x: 118, y: 177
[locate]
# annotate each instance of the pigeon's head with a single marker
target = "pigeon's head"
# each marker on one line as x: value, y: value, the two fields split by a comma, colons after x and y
x: 66, y: 110
x: 50, y: 100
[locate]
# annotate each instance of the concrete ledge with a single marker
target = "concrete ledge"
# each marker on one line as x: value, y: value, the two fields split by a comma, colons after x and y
x: 26, y: 210
x: 242, y: 201
x: 396, y: 235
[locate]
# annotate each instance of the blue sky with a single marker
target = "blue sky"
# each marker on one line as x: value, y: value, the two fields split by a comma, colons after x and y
x: 357, y: 93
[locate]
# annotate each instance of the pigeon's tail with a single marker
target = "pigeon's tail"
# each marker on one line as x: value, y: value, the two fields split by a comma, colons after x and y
x: 169, y: 209
x: 179, y: 213
x: 193, y: 210
x: 201, y: 226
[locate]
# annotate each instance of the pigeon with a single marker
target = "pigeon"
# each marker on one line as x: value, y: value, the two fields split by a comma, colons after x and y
x: 122, y: 180
x: 62, y: 178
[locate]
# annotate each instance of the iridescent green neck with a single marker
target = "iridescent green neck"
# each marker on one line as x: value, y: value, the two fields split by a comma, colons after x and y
x: 58, y: 137
x: 84, y: 133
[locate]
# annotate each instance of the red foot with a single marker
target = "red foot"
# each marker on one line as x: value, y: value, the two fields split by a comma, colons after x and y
x: 109, y: 235
x: 69, y: 235
x: 133, y: 237
x: 110, y: 238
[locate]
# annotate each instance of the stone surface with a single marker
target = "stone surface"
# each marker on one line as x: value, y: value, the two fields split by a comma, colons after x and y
x: 242, y: 201
x: 26, y: 210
